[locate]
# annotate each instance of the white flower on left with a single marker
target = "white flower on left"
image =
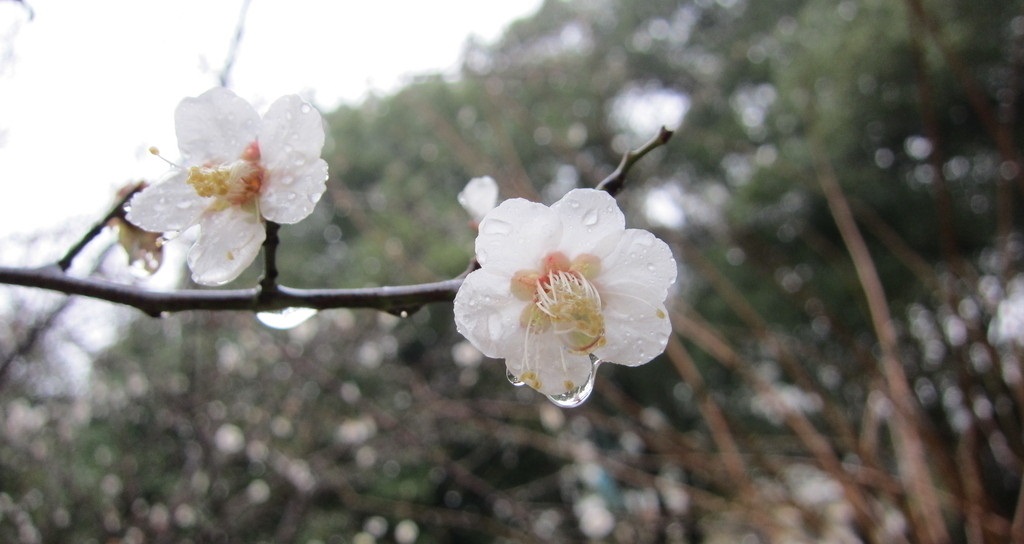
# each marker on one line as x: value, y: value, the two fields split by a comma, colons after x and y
x: 238, y: 171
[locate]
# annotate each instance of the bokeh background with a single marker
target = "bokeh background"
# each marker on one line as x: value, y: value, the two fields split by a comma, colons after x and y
x: 843, y: 195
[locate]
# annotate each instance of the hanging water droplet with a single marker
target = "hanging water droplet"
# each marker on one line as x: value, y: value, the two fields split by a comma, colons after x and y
x: 590, y: 218
x: 513, y: 379
x: 287, y: 318
x: 578, y: 395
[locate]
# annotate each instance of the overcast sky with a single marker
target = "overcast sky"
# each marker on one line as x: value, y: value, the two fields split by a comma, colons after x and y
x: 86, y: 87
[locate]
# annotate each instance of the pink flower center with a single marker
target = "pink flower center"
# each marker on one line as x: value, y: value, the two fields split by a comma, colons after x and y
x: 563, y: 299
x: 236, y: 183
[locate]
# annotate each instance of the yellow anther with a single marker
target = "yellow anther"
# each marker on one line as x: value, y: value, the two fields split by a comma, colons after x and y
x: 574, y: 307
x: 236, y: 183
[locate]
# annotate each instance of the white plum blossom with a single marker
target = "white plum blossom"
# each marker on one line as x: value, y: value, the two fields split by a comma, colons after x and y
x: 238, y: 171
x: 559, y: 284
x: 479, y: 197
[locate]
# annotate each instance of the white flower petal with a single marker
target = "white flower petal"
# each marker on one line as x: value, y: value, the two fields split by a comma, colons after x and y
x: 554, y: 369
x: 229, y: 241
x: 479, y: 196
x: 634, y: 283
x: 166, y: 206
x: 291, y: 194
x: 641, y: 265
x: 487, y: 314
x: 291, y: 139
x: 635, y: 331
x: 291, y: 129
x: 589, y: 217
x: 214, y: 127
x: 517, y: 235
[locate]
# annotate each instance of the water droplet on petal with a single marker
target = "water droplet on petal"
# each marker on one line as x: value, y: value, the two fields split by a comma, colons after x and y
x: 574, y: 204
x: 577, y: 396
x: 314, y: 198
x: 590, y: 218
x: 513, y: 379
x: 305, y: 108
x: 183, y: 205
x: 495, y: 226
x: 287, y: 318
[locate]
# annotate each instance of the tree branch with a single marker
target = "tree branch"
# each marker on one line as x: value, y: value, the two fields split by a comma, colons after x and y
x: 117, y: 211
x: 269, y: 295
x: 154, y: 303
x: 617, y: 179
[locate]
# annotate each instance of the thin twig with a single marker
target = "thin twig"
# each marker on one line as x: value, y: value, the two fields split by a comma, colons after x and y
x: 229, y: 62
x: 117, y: 211
x: 615, y: 181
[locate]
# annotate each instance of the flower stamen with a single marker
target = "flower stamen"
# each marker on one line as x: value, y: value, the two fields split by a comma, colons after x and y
x: 573, y: 305
x: 237, y: 182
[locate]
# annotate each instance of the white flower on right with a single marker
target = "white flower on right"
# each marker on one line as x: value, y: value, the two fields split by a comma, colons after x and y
x: 559, y: 284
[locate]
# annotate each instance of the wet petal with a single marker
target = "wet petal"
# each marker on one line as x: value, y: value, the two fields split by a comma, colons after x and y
x: 589, y: 218
x: 640, y: 265
x: 291, y: 140
x: 167, y: 206
x: 291, y: 129
x: 636, y: 330
x: 229, y: 241
x: 291, y: 193
x: 214, y: 127
x: 516, y: 235
x: 487, y: 314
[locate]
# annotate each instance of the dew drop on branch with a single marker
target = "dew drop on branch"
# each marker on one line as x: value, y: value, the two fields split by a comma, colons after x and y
x: 287, y: 318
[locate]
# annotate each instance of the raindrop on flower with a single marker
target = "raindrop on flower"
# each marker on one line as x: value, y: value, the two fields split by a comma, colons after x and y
x: 577, y: 396
x: 590, y: 218
x: 495, y: 226
x: 513, y: 379
x: 287, y: 318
